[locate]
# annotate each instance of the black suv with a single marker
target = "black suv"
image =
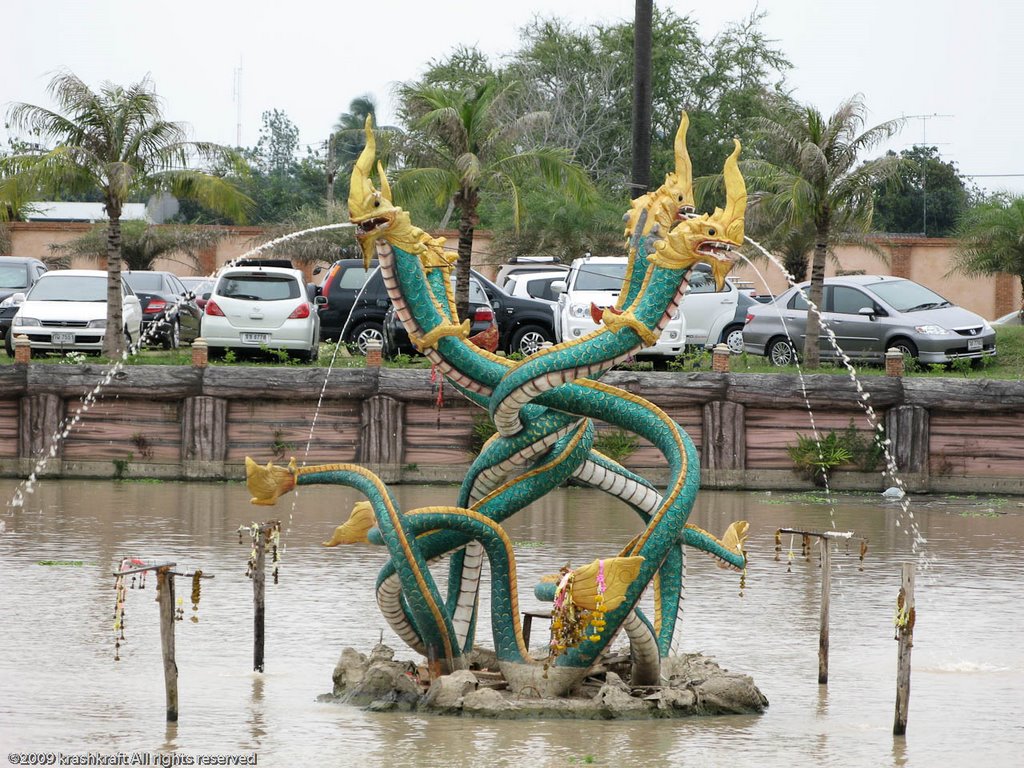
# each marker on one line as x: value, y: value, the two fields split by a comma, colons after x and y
x: 524, y: 325
x: 340, y: 286
x: 17, y: 275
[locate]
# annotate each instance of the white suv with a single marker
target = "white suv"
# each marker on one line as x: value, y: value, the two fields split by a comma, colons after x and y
x: 597, y: 280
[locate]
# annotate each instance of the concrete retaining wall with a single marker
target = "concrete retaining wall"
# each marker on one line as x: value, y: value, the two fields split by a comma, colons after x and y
x: 948, y: 435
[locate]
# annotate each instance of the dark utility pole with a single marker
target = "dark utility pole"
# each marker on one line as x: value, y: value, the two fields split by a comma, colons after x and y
x: 641, y: 174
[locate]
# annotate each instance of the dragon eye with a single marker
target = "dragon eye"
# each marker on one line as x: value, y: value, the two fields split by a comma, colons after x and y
x: 376, y: 203
x: 711, y: 231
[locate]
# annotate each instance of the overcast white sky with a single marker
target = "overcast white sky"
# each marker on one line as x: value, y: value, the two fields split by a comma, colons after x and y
x: 959, y: 61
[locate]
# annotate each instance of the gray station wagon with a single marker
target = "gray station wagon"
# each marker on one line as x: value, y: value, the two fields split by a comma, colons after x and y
x: 868, y: 315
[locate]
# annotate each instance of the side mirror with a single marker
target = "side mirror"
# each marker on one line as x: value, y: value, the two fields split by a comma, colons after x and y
x: 559, y: 286
x: 867, y: 312
x: 206, y: 296
x: 320, y: 301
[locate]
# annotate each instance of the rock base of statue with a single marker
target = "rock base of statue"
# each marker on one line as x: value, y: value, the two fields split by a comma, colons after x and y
x: 692, y: 685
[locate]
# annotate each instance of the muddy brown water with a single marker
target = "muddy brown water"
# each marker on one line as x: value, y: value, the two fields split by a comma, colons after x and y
x: 62, y: 692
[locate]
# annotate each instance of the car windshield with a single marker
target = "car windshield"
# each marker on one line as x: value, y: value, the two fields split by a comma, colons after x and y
x: 69, y: 288
x: 258, y: 287
x: 601, y: 277
x: 354, y: 277
x: 144, y: 281
x: 907, y: 296
x: 13, y: 276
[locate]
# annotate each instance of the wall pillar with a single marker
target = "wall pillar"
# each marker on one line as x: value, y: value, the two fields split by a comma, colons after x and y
x: 382, y: 431
x: 204, y: 436
x: 724, y: 438
x: 41, y: 418
x: 908, y: 429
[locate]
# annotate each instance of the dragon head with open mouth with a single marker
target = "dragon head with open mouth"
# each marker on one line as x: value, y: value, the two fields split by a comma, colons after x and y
x: 659, y: 211
x: 709, y: 238
x: 376, y: 217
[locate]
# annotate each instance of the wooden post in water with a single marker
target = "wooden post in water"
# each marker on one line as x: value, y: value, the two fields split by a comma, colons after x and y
x: 824, y: 537
x: 905, y: 618
x: 826, y: 588
x: 165, y: 597
x: 259, y: 582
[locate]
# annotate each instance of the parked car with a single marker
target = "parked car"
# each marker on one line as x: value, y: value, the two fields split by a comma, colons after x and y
x: 524, y: 324
x: 870, y: 314
x: 169, y: 309
x: 340, y: 286
x: 255, y: 308
x: 66, y: 311
x: 714, y: 316
x: 17, y: 275
x: 521, y: 265
x: 481, y: 316
x: 597, y: 280
x: 199, y: 287
x: 534, y: 285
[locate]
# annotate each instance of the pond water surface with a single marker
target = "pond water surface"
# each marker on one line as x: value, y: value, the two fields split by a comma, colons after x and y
x: 62, y: 691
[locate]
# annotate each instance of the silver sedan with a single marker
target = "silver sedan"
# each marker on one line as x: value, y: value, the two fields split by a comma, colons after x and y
x: 869, y: 314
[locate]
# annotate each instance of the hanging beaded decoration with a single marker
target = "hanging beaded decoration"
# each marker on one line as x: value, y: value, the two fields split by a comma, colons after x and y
x: 272, y: 542
x: 195, y: 595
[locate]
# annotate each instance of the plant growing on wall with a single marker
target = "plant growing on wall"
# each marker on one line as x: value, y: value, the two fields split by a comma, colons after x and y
x: 817, y: 458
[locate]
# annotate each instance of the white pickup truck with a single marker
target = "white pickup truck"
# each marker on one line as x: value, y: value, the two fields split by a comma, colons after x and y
x: 708, y: 316
x: 597, y: 280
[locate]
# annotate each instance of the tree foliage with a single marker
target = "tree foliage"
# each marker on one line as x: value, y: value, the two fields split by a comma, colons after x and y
x: 812, y: 177
x: 462, y: 145
x: 991, y: 239
x: 117, y: 141
x: 923, y: 177
x: 583, y: 78
x: 142, y: 244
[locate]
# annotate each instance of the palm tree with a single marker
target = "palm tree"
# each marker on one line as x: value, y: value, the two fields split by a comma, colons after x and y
x: 116, y: 141
x: 465, y: 150
x: 991, y: 239
x: 348, y: 139
x: 813, y: 180
x: 142, y: 244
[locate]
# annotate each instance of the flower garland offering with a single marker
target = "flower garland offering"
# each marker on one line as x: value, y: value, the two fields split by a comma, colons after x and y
x: 571, y: 624
x: 272, y: 541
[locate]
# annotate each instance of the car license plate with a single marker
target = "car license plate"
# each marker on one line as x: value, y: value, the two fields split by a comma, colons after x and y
x: 973, y: 345
x: 255, y: 338
x: 64, y: 337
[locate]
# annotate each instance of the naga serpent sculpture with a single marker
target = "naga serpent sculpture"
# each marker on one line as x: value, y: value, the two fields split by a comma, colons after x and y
x: 542, y: 408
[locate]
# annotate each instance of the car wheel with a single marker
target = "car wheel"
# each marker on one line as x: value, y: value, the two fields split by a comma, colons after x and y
x: 9, y: 342
x: 173, y: 338
x: 732, y: 337
x: 362, y: 334
x: 529, y: 339
x: 781, y: 352
x: 904, y: 346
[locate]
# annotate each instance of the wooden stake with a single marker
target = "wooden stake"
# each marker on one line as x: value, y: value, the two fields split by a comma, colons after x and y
x: 826, y: 588
x: 905, y: 618
x: 165, y: 597
x: 259, y: 581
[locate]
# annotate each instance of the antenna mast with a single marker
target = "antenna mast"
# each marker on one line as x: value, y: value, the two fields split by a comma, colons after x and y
x: 237, y: 94
x: 924, y: 165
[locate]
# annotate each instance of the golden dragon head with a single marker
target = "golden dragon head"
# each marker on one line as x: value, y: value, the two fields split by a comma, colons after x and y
x: 709, y: 238
x: 375, y: 215
x: 672, y: 201
x: 267, y: 483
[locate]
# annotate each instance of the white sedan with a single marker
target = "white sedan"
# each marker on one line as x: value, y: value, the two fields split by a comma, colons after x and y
x: 66, y: 311
x: 262, y: 308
